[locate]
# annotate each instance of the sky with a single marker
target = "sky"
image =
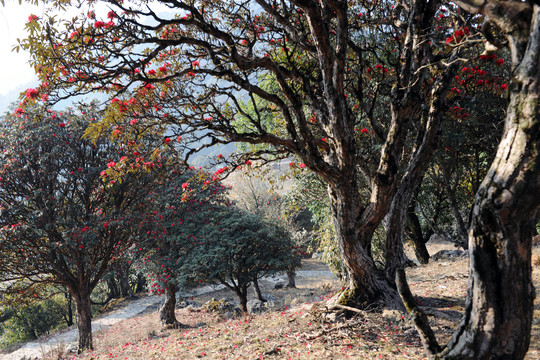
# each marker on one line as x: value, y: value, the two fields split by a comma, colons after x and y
x: 16, y: 69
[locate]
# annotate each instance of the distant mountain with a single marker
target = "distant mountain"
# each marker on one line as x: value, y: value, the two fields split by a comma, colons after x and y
x: 12, y: 97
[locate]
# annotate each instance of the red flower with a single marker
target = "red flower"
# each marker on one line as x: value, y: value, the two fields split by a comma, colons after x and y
x: 99, y: 24
x: 185, y: 186
x: 378, y: 66
x: 62, y: 125
x: 167, y: 140
x: 151, y: 72
x: 32, y: 18
x: 195, y: 63
x: 111, y: 164
x: 499, y: 61
x: 504, y: 86
x: 32, y: 93
x: 364, y: 131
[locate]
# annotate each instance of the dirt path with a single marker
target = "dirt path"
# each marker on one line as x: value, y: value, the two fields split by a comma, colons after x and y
x: 68, y: 339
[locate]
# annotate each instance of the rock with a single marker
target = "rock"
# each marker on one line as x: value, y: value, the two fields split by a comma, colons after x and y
x: 221, y: 306
x: 279, y: 286
x: 449, y: 254
x: 256, y: 306
x: 181, y: 304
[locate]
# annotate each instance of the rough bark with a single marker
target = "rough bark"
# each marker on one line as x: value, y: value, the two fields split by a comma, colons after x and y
x: 167, y: 316
x: 366, y: 284
x: 416, y: 236
x: 499, y: 308
x: 84, y: 317
x: 69, y: 311
x: 498, y: 315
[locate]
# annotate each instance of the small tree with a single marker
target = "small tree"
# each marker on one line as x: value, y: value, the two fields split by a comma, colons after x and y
x: 60, y: 222
x: 181, y: 203
x: 237, y: 247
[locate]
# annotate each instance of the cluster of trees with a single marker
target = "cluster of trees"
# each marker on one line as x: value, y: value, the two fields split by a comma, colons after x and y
x: 71, y: 218
x: 357, y: 92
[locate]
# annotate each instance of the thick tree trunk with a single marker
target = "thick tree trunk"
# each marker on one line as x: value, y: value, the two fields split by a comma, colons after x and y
x: 367, y: 285
x: 499, y: 309
x: 84, y: 317
x: 167, y: 316
x: 258, y: 290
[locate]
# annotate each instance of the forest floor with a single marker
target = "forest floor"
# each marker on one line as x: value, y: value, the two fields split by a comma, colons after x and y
x: 294, y: 327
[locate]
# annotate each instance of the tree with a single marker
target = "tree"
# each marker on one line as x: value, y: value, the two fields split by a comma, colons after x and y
x: 60, y: 222
x: 237, y: 248
x: 337, y: 75
x: 182, y: 202
x: 499, y: 308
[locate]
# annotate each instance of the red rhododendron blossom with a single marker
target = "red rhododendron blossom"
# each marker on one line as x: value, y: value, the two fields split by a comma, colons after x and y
x: 32, y: 93
x: 185, y: 186
x: 133, y: 122
x: 504, y: 86
x: 499, y: 61
x: 99, y: 24
x: 32, y: 18
x: 178, y: 138
x: 111, y: 164
x: 151, y: 72
x: 167, y: 140
x: 195, y: 63
x: 364, y: 131
x: 378, y: 66
x: 302, y: 166
x: 62, y: 125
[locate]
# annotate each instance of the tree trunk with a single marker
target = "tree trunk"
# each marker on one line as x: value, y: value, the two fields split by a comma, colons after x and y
x: 123, y: 282
x: 499, y: 309
x: 114, y: 293
x: 141, y: 283
x: 167, y: 316
x: 419, y: 163
x: 84, y: 317
x: 291, y: 279
x: 69, y: 311
x: 366, y: 284
x: 258, y: 290
x: 416, y: 236
x: 241, y: 292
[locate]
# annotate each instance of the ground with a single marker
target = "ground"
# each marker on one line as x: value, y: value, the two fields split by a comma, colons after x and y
x: 297, y: 329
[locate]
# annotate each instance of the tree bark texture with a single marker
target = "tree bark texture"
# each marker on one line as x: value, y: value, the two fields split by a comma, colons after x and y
x: 416, y: 235
x: 499, y: 308
x: 498, y: 316
x: 167, y: 316
x: 84, y: 318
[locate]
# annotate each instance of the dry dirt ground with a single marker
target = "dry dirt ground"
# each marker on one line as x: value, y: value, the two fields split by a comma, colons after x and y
x: 294, y: 330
